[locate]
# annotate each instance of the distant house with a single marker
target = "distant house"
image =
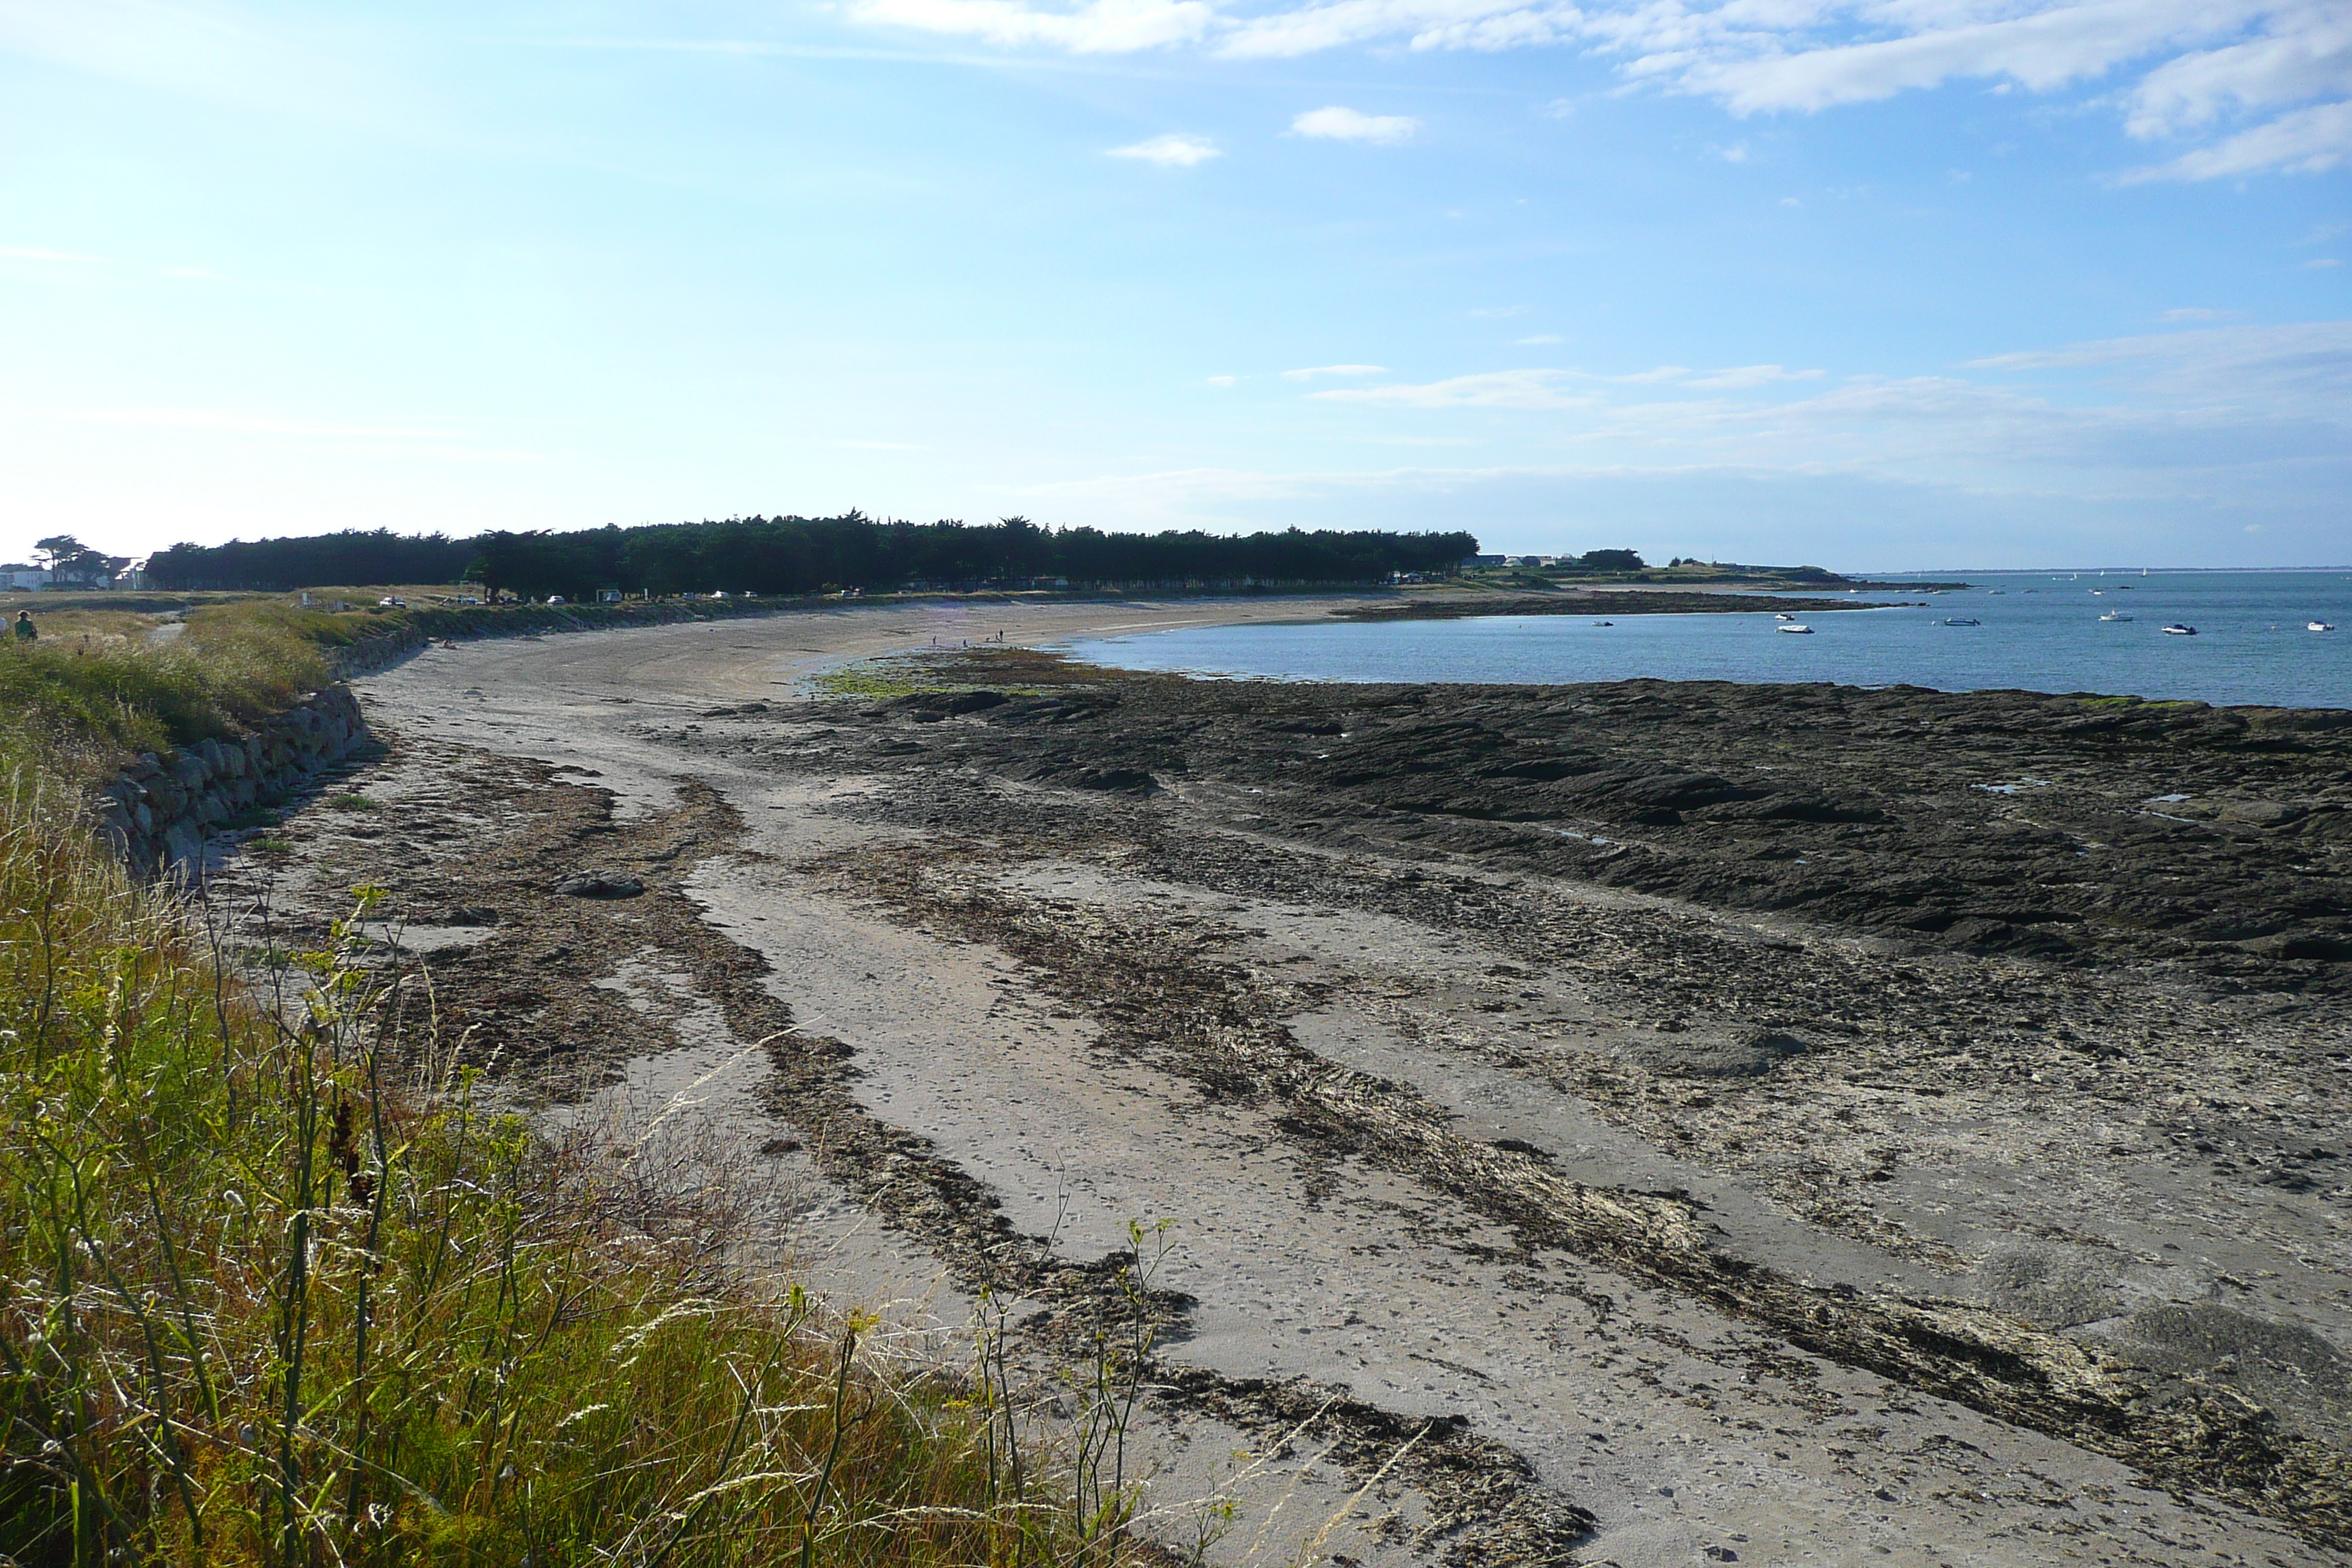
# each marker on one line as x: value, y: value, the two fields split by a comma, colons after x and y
x: 1486, y: 560
x: 18, y: 578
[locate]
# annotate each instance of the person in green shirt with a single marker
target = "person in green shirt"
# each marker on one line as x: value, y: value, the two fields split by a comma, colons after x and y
x: 25, y: 631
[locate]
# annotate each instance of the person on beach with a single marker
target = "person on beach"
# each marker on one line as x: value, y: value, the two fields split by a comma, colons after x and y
x: 27, y: 632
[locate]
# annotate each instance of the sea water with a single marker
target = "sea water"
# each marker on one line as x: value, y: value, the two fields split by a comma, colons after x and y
x: 2039, y: 631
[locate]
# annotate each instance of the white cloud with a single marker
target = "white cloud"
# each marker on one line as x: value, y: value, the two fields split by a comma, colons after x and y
x: 2253, y: 401
x: 1734, y: 154
x: 1742, y: 376
x: 2199, y: 313
x: 1425, y: 23
x: 1223, y: 380
x: 1770, y: 67
x: 1338, y: 124
x: 1539, y: 338
x: 2319, y: 261
x: 1335, y: 370
x: 2305, y: 141
x: 2301, y: 366
x: 1170, y: 152
x: 1100, y: 27
x: 2265, y: 84
x: 1532, y: 389
x: 2303, y: 55
x: 1736, y: 378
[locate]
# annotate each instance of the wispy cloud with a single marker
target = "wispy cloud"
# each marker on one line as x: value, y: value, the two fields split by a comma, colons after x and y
x: 1539, y: 338
x: 2199, y: 313
x: 1338, y: 124
x: 1223, y: 380
x: 2266, y: 85
x: 1747, y: 376
x: 1100, y: 27
x: 1523, y: 389
x: 1171, y: 150
x: 2307, y: 141
x: 1335, y: 370
x: 2301, y: 365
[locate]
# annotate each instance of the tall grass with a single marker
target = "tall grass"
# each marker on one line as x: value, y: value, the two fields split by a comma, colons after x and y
x: 270, y: 1296
x: 77, y: 702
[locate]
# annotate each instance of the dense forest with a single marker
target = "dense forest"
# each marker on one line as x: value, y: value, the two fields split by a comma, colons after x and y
x: 348, y: 558
x: 800, y: 555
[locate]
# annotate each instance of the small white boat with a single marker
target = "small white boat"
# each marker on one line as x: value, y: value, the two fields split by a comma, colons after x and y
x: 1962, y: 621
x: 2179, y: 630
x: 2115, y: 616
x: 1782, y: 616
x: 1794, y: 626
x: 2320, y: 627
x: 1604, y: 622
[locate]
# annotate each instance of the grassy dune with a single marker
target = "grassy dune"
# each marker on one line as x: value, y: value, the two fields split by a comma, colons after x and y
x: 268, y: 1297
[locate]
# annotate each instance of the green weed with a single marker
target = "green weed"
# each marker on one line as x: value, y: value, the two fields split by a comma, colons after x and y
x: 274, y: 1297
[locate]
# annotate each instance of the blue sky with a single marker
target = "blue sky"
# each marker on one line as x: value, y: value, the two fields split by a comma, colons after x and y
x: 1872, y: 283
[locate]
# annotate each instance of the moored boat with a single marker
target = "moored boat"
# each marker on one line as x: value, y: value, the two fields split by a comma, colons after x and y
x: 2178, y: 630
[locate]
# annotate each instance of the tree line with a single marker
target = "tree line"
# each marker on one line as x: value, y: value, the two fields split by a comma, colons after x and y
x: 801, y: 555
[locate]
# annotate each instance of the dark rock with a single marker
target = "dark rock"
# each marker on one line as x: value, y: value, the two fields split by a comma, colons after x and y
x: 2080, y: 830
x: 1751, y: 1055
x: 600, y: 885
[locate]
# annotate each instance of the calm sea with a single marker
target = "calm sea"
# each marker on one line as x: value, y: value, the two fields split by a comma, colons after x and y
x: 2040, y: 631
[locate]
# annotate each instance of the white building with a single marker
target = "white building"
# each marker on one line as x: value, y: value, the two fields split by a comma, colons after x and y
x: 18, y: 578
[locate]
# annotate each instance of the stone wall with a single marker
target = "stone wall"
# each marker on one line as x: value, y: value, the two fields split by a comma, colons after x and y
x: 158, y: 812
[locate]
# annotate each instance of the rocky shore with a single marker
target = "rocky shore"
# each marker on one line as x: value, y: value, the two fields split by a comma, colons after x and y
x: 2084, y: 830
x: 1639, y: 1122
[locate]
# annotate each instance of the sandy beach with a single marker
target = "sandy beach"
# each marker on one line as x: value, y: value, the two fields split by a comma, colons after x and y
x: 1634, y: 1124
